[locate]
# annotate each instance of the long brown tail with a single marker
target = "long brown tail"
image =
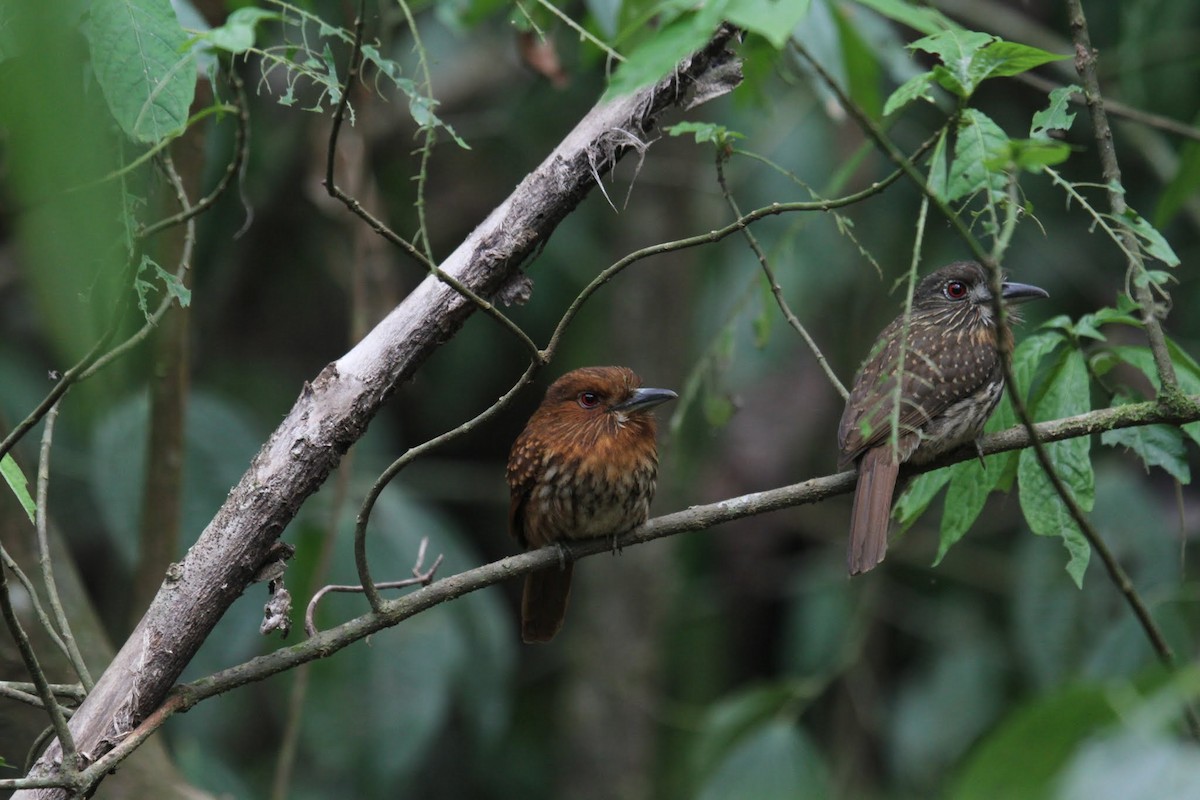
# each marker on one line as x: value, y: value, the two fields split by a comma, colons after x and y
x: 544, y: 603
x: 872, y: 509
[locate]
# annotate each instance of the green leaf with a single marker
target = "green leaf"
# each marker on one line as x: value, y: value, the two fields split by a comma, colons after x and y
x: 774, y: 20
x: 1041, y: 739
x: 1187, y: 373
x: 915, y: 87
x: 19, y: 486
x: 1157, y: 446
x: 919, y: 494
x: 980, y: 141
x: 705, y: 132
x: 1056, y: 117
x: 926, y: 19
x: 1122, y: 314
x: 860, y: 60
x: 1066, y: 394
x: 1002, y: 59
x: 1153, y: 242
x: 171, y: 285
x: 970, y: 485
x: 237, y: 35
x: 775, y: 762
x: 957, y: 50
x: 971, y: 482
x: 1028, y: 357
x: 140, y: 61
x: 1033, y: 154
x: 938, y: 169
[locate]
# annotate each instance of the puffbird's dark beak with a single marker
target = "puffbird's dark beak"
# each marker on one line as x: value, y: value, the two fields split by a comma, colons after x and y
x: 644, y: 399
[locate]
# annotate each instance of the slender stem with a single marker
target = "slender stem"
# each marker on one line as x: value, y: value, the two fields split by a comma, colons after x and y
x: 70, y: 762
x: 429, y: 130
x: 185, y: 261
x: 773, y: 282
x: 240, y: 147
x: 44, y: 560
x: 38, y: 609
x: 364, y: 512
x: 1085, y: 64
x: 331, y: 186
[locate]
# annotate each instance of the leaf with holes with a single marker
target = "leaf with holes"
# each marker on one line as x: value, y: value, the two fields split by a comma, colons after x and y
x: 916, y: 87
x: 238, y: 34
x: 1056, y: 117
x: 1153, y: 242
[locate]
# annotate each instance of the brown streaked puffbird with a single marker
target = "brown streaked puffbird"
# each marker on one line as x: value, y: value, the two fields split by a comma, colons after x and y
x: 585, y: 466
x: 930, y: 382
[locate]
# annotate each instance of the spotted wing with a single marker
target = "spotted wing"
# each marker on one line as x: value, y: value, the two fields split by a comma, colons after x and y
x: 943, y: 363
x: 523, y: 461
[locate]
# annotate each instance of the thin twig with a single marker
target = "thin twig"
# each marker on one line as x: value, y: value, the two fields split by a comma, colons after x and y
x: 420, y: 578
x: 71, y: 691
x: 70, y: 757
x: 8, y: 690
x: 773, y: 282
x: 331, y: 186
x: 1085, y: 65
x: 185, y: 261
x: 430, y: 133
x: 364, y: 512
x: 44, y: 560
x: 240, y: 146
x: 38, y: 609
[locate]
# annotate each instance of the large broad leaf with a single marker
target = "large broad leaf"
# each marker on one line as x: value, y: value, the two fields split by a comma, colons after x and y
x: 979, y: 146
x: 1066, y: 394
x: 1157, y: 445
x: 970, y: 485
x: 146, y: 76
x: 1023, y: 757
x: 1187, y: 373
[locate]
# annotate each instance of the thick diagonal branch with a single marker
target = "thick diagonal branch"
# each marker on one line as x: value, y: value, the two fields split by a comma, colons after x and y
x: 333, y: 411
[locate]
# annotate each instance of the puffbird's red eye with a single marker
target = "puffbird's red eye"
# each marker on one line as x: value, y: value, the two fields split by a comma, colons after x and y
x: 588, y: 399
x: 955, y: 290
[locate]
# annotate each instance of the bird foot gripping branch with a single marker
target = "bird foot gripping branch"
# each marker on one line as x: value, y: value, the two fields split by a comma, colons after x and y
x: 931, y: 381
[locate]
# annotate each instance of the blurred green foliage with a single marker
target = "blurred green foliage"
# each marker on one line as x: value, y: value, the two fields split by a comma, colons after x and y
x: 757, y: 670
